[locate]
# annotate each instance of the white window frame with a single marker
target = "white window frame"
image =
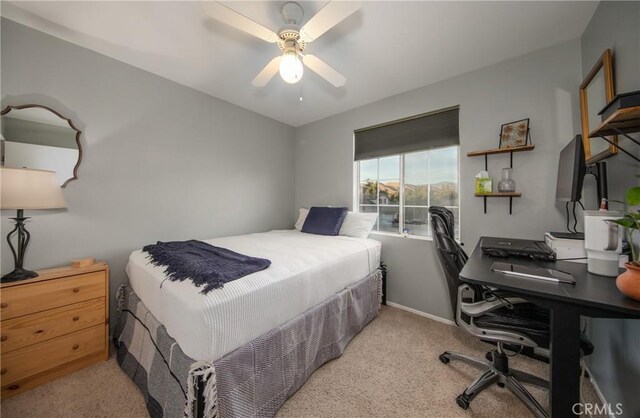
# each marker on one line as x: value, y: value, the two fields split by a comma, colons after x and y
x: 401, y: 205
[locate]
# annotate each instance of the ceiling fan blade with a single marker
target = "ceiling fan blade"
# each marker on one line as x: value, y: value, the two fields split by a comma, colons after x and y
x: 222, y: 13
x: 267, y: 72
x: 330, y: 15
x: 325, y: 71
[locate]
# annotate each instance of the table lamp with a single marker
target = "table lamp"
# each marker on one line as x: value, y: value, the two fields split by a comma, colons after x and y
x: 23, y: 188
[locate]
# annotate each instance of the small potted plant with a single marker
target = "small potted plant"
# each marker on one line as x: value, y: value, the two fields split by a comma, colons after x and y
x: 629, y: 281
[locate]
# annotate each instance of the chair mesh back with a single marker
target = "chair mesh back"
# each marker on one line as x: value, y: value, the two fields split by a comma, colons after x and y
x: 451, y: 255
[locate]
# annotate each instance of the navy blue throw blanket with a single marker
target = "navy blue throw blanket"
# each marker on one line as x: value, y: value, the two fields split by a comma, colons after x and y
x: 203, y: 263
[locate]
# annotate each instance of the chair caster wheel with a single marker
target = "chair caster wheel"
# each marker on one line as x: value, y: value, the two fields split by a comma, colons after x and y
x: 500, y: 384
x: 444, y: 359
x: 489, y: 356
x: 462, y: 401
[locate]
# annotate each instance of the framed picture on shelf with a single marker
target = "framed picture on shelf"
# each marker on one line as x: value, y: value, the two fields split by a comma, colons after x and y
x: 514, y: 134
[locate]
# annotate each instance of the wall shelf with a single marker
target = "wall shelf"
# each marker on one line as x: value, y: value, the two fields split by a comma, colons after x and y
x: 626, y: 120
x: 499, y: 194
x: 623, y: 122
x: 510, y: 151
x: 500, y: 151
x: 510, y: 195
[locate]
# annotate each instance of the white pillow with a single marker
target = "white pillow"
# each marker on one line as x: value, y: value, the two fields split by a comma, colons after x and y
x: 301, y: 218
x: 358, y: 225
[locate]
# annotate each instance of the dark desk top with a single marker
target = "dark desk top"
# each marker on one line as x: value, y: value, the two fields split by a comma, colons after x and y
x: 596, y: 295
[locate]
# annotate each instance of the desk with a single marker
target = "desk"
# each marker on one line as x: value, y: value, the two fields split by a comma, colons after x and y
x: 592, y: 295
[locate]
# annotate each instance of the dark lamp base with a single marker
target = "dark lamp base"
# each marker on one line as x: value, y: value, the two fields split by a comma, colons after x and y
x: 18, y: 274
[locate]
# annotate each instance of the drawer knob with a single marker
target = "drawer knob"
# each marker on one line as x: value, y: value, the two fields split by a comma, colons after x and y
x: 4, y: 305
x: 76, y: 289
x: 3, y: 338
x: 75, y: 318
x: 14, y: 387
x: 40, y: 331
x: 3, y: 371
x: 76, y: 346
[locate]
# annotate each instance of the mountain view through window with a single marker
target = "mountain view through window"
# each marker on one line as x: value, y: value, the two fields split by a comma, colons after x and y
x: 401, y: 188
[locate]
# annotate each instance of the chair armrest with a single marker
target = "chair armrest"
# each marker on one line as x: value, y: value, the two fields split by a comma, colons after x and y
x: 476, y: 309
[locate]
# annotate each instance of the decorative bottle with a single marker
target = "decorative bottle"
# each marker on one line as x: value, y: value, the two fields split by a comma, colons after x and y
x: 506, y: 183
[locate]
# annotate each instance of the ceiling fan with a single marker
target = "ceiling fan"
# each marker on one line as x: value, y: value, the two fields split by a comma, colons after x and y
x: 292, y: 38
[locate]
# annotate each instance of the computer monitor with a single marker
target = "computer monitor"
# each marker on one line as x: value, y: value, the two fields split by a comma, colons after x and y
x: 571, y: 171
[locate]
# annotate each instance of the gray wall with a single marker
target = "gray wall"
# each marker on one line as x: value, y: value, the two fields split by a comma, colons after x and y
x: 616, y: 361
x: 161, y: 161
x: 615, y: 25
x: 542, y: 86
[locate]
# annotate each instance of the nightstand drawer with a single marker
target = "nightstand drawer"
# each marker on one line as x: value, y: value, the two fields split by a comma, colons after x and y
x: 28, y: 361
x: 40, y: 296
x: 42, y: 326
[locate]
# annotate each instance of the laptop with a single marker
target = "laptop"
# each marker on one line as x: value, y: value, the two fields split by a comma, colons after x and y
x: 511, y: 247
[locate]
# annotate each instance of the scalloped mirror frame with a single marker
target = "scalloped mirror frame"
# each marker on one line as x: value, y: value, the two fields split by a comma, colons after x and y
x: 71, y: 125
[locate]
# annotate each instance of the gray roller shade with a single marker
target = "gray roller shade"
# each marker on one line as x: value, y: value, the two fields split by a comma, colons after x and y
x: 417, y: 133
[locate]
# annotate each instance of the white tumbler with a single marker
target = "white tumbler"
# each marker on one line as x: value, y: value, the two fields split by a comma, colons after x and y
x: 603, y: 242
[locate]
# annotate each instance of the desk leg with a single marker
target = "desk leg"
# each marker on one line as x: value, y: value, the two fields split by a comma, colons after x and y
x: 565, y: 363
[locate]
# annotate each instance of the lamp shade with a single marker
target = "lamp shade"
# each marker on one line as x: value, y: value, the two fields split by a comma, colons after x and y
x: 24, y: 188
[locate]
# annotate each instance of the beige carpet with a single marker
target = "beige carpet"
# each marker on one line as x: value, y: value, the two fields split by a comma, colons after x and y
x: 390, y: 369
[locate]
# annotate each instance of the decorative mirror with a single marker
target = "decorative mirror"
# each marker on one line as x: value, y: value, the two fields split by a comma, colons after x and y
x: 35, y: 136
x: 596, y: 91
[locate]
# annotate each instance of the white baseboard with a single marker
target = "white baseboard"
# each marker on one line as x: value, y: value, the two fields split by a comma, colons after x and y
x: 597, y: 389
x: 424, y: 314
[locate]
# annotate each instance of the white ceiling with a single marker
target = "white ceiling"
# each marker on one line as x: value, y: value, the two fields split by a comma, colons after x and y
x: 383, y: 49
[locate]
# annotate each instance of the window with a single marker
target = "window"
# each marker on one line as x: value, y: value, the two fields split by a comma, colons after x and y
x: 407, y: 165
x: 400, y: 188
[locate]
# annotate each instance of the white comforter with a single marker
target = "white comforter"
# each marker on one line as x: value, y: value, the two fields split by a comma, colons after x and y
x: 305, y: 270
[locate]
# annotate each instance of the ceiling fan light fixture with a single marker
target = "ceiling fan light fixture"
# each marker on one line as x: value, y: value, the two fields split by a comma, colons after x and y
x: 291, y: 68
x: 291, y: 39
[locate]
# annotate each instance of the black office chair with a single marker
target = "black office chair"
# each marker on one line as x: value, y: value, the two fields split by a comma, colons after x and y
x: 491, y: 316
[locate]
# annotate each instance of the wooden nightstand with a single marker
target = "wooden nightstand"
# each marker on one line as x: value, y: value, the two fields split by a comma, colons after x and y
x: 52, y: 325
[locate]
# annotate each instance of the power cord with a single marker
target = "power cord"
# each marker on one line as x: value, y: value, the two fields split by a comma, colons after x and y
x: 566, y: 209
x: 575, y: 218
x: 489, y: 295
x: 515, y: 353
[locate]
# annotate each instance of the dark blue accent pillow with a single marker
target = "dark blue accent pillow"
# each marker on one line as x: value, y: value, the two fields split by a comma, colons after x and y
x: 324, y: 220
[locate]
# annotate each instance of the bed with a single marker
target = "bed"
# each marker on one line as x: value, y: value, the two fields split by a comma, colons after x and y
x: 244, y: 349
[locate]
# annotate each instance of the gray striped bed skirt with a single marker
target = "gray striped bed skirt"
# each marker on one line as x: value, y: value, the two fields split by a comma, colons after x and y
x: 255, y: 379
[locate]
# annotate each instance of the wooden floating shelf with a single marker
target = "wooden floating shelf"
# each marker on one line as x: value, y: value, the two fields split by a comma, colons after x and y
x: 510, y: 195
x: 499, y: 194
x: 500, y: 151
x: 509, y: 151
x: 626, y: 120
